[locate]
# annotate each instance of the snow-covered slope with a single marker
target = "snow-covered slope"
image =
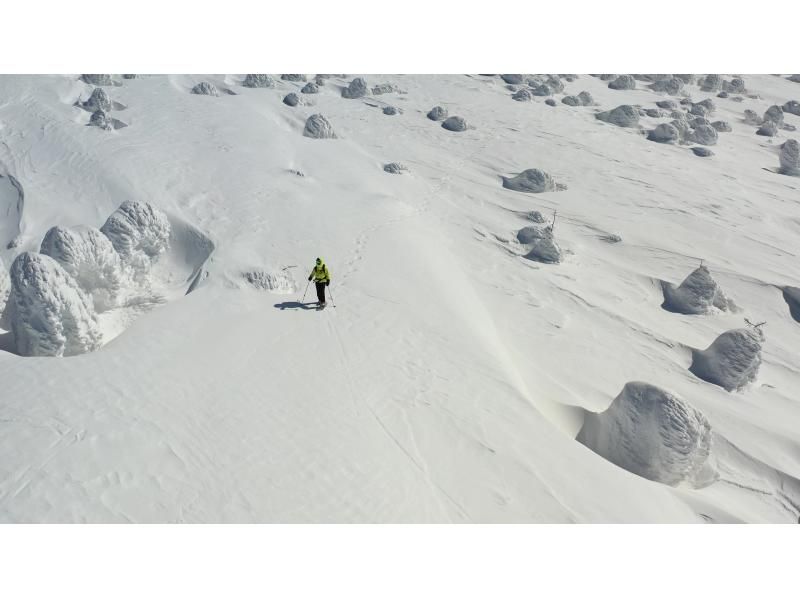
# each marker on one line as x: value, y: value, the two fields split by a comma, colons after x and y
x: 453, y: 375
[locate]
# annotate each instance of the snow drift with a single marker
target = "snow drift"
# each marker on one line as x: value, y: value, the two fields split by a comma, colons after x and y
x: 654, y: 434
x: 532, y: 180
x: 732, y: 360
x: 540, y: 243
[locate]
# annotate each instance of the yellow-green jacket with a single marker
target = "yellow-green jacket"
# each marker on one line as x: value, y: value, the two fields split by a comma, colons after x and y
x: 320, y: 273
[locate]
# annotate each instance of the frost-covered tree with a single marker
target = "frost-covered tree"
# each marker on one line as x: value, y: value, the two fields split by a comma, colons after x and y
x: 140, y: 233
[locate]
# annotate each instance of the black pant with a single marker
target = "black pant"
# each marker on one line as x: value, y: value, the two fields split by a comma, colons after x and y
x: 320, y: 291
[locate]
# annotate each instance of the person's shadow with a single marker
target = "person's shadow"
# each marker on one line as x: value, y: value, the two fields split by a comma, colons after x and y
x: 295, y: 305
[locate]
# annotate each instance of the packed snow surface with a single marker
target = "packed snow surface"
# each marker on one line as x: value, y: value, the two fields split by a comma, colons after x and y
x: 451, y: 379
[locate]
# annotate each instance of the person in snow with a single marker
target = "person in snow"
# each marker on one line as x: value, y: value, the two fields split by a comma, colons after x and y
x: 322, y: 278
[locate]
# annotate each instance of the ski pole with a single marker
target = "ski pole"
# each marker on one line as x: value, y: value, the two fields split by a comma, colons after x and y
x: 303, y: 300
x: 331, y: 293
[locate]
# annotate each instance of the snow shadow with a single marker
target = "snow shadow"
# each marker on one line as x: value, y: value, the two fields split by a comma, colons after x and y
x: 312, y: 305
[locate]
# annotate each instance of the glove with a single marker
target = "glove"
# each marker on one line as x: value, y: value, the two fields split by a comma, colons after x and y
x: 327, y: 283
x: 309, y: 279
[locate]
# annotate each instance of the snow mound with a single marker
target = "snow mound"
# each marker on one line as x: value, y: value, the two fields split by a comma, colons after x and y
x: 768, y: 129
x: 732, y: 360
x: 101, y: 119
x: 356, y: 89
x: 382, y: 88
x: 751, y: 117
x: 512, y: 79
x: 654, y: 434
x: 790, y: 158
x: 455, y: 123
x: 665, y: 133
x: 99, y: 100
x: 667, y: 104
x: 98, y: 79
x: 704, y: 135
x: 291, y: 99
x: 205, y: 89
x: 790, y: 294
x: 702, y: 152
x: 12, y: 203
x: 550, y: 102
x: 310, y: 87
x: 584, y: 98
x: 280, y: 281
x: 623, y: 83
x: 437, y: 113
x: 532, y: 180
x: 710, y: 83
x: 793, y: 78
x: 294, y: 78
x: 542, y: 247
x: 774, y: 114
x: 394, y: 168
x: 670, y: 85
x: 90, y: 258
x: 390, y: 111
x: 523, y: 95
x: 258, y: 81
x: 792, y: 107
x: 318, y: 127
x: 698, y: 294
x: 50, y: 314
x: 722, y: 126
x: 535, y: 216
x: 622, y: 116
x: 140, y: 233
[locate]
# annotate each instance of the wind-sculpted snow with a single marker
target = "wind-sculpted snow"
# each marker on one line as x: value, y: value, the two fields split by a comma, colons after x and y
x: 622, y: 116
x: 294, y: 78
x: 356, y: 89
x: 99, y: 100
x: 702, y: 152
x: 390, y: 110
x: 532, y: 180
x: 710, y: 83
x: 101, y: 119
x: 291, y: 99
x: 732, y: 360
x: 50, y: 314
x: 698, y: 294
x: 382, y: 88
x: 768, y: 129
x: 205, y: 89
x: 318, y: 127
x: 394, y: 168
x: 455, y: 123
x: 722, y: 126
x: 792, y: 107
x: 140, y: 233
x: 654, y: 434
x: 278, y: 281
x: 669, y: 85
x: 774, y: 114
x: 667, y: 104
x: 523, y: 95
x: 790, y: 158
x: 258, y: 81
x: 704, y: 135
x: 540, y: 243
x: 90, y: 258
x: 751, y: 117
x: 623, y: 83
x: 310, y: 88
x: 437, y: 113
x: 665, y: 133
x: 584, y: 98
